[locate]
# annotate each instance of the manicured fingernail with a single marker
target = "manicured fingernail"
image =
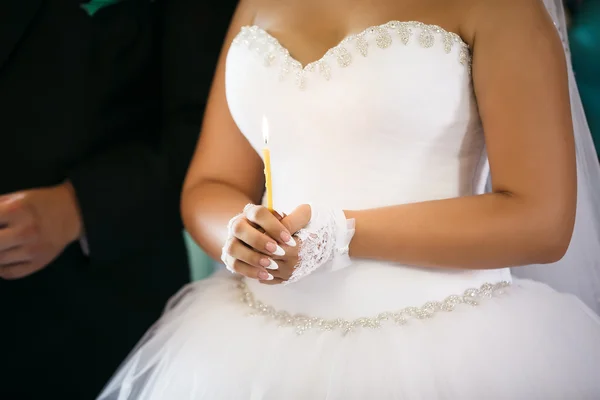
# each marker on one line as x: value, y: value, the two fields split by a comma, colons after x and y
x: 288, y: 239
x: 275, y: 249
x: 271, y: 265
x: 271, y: 247
x: 279, y: 251
x: 268, y: 263
x: 265, y: 276
x: 265, y: 262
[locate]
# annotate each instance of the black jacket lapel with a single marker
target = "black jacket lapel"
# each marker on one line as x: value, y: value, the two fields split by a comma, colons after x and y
x: 15, y: 17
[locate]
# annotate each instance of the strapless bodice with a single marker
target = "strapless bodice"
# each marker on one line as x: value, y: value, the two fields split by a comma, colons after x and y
x: 386, y: 117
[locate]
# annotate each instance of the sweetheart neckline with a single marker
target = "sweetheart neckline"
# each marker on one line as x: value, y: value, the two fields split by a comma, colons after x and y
x: 352, y: 36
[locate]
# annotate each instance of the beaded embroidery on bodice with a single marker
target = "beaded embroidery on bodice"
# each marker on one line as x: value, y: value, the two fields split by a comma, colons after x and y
x: 386, y: 117
x: 274, y: 53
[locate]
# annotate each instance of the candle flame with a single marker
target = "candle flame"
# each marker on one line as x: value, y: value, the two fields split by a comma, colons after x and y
x: 265, y: 129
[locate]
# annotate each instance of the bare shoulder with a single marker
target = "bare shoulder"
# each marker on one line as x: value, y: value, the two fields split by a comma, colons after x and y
x: 513, y: 19
x: 499, y: 9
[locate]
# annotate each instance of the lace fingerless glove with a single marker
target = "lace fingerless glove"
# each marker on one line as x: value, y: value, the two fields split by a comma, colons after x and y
x: 325, y: 239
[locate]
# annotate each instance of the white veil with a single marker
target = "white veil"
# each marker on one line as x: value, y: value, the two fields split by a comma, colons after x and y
x: 579, y: 271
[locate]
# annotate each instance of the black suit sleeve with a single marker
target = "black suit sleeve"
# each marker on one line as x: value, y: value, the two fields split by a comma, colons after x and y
x: 129, y: 194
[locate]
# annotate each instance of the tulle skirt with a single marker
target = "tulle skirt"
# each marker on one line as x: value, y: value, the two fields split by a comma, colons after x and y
x: 528, y: 343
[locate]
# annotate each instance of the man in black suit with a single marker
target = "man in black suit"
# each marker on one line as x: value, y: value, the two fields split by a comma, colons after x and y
x: 100, y: 108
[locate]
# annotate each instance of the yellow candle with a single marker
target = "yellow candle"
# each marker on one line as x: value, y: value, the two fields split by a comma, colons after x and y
x: 267, y: 162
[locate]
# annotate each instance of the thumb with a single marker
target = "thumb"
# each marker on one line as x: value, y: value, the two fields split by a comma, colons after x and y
x: 297, y: 219
x: 278, y: 215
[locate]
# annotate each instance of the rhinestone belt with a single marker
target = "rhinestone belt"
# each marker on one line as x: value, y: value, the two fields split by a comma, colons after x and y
x: 302, y: 323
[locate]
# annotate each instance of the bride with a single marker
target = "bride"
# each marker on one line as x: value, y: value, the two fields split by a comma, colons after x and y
x: 383, y: 270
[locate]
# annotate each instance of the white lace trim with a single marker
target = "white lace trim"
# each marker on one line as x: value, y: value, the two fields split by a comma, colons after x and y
x: 316, y: 249
x: 326, y: 238
x: 302, y: 323
x: 273, y: 53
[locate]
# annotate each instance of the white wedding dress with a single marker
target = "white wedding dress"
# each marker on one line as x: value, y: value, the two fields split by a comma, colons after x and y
x: 386, y: 117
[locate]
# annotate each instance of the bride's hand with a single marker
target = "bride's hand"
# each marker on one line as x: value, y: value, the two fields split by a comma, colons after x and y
x: 259, y: 246
x: 323, y: 235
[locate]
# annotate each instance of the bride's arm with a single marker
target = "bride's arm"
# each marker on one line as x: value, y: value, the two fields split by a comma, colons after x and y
x: 226, y: 172
x: 520, y: 81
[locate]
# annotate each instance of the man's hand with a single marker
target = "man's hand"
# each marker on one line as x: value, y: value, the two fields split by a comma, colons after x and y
x: 35, y: 227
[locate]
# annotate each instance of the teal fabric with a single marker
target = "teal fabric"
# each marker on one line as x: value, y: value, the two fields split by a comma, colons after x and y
x: 93, y: 6
x: 584, y: 38
x: 201, y: 265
